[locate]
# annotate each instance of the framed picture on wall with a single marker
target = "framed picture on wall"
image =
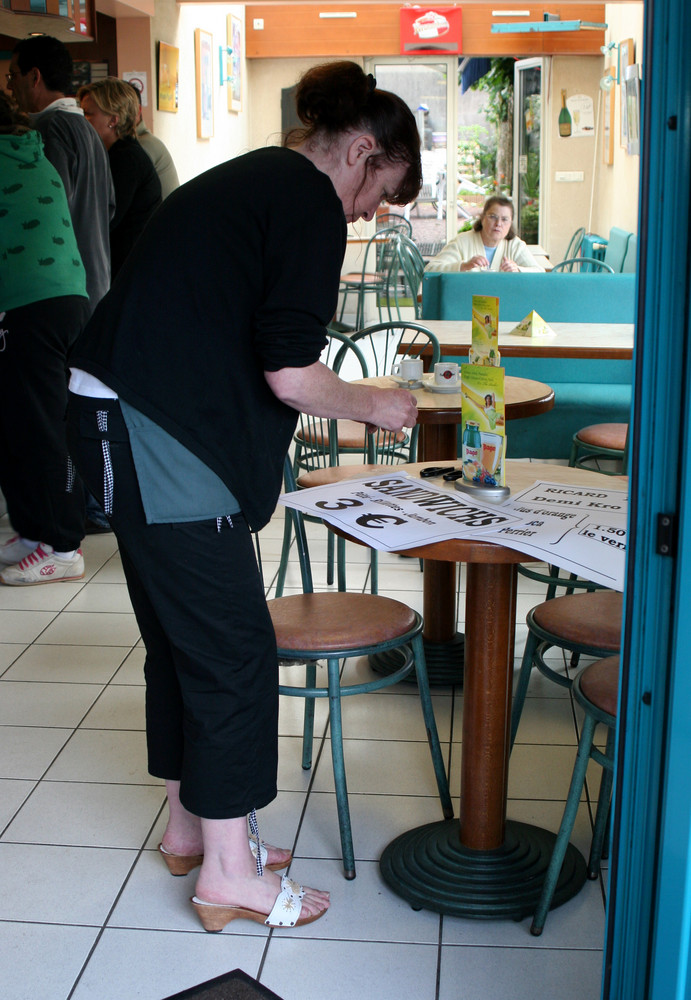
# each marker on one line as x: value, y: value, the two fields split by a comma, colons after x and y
x: 203, y: 44
x: 626, y: 58
x: 633, y: 110
x: 167, y: 82
x: 234, y: 35
x: 608, y: 103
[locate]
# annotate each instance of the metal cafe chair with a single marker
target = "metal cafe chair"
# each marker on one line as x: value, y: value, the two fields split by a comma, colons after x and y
x: 586, y: 624
x: 583, y: 264
x: 316, y: 441
x: 601, y: 441
x: 335, y: 626
x: 370, y: 279
x: 595, y: 689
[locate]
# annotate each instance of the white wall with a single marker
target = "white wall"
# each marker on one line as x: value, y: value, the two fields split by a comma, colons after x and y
x: 617, y: 186
x: 175, y: 24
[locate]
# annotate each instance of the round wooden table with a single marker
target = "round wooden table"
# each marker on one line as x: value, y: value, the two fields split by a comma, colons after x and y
x: 439, y: 414
x: 482, y: 865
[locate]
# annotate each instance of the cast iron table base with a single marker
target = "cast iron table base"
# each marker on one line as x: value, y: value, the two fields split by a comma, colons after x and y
x: 432, y: 870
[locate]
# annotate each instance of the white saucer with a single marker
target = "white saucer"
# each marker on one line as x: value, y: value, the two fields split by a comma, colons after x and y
x: 407, y: 383
x: 433, y: 387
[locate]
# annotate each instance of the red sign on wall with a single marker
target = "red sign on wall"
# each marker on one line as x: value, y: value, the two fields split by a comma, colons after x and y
x: 430, y: 32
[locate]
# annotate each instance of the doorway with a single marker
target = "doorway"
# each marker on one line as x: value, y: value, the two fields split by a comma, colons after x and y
x: 428, y: 86
x: 529, y: 192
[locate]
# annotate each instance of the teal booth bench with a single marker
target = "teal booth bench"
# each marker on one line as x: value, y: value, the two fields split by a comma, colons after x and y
x: 586, y: 390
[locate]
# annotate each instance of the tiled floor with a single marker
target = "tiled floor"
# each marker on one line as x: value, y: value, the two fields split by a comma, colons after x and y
x: 87, y: 910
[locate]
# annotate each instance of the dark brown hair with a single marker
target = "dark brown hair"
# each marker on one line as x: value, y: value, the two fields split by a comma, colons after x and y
x: 50, y: 56
x: 334, y: 97
x: 496, y: 199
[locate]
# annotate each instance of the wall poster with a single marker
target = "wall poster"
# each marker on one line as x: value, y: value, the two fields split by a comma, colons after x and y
x: 203, y: 44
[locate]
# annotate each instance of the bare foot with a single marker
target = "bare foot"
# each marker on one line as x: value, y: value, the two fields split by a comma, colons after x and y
x: 277, y: 855
x: 255, y: 893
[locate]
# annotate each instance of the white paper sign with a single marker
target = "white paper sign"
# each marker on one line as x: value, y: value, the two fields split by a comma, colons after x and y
x: 582, y: 118
x: 394, y: 511
x: 581, y: 529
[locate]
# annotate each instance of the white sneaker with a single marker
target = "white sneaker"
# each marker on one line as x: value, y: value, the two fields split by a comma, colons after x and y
x: 14, y: 550
x: 43, y: 566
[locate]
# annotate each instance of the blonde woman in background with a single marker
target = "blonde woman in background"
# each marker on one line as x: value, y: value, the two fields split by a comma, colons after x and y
x: 111, y: 106
x: 491, y: 245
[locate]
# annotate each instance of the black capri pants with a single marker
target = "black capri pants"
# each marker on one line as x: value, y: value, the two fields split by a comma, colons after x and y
x: 211, y: 667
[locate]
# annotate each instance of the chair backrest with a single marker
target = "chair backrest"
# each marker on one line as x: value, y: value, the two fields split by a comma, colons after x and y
x: 391, y: 220
x: 316, y: 438
x: 382, y: 348
x: 583, y: 264
x: 402, y: 279
x: 574, y: 247
x: 629, y: 265
x: 617, y: 245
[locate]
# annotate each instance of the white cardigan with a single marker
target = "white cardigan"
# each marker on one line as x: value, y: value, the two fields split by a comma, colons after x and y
x: 469, y: 244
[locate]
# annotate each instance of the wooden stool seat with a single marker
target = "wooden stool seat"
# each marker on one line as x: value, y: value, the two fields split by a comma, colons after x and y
x: 351, y: 436
x: 590, y: 620
x: 611, y: 436
x: 588, y: 624
x: 337, y: 474
x: 331, y: 622
x: 600, y: 684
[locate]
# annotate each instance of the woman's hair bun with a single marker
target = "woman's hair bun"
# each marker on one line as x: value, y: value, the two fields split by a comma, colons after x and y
x: 332, y: 96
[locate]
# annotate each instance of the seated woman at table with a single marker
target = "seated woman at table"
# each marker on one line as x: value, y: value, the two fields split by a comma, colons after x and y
x: 492, y: 244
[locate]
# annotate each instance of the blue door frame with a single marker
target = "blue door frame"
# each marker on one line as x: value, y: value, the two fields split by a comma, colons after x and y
x: 649, y: 915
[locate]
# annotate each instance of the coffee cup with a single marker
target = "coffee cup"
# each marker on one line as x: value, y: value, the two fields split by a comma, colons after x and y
x: 447, y: 373
x: 409, y: 369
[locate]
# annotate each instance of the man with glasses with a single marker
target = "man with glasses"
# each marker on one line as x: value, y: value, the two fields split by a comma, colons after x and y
x: 491, y: 245
x: 39, y: 78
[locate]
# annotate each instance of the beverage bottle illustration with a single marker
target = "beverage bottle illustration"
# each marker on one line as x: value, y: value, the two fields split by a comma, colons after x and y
x: 472, y: 450
x: 564, y: 117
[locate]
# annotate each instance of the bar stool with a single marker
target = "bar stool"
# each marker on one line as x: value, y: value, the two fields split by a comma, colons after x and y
x: 596, y: 690
x: 333, y: 626
x: 609, y: 441
x: 588, y: 624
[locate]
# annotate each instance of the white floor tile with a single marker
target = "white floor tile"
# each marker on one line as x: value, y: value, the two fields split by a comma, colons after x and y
x: 104, y: 597
x: 26, y: 751
x: 121, y: 706
x: 92, y: 629
x: 9, y: 651
x: 382, y: 766
x: 45, y: 959
x: 375, y: 820
x: 132, y: 669
x: 48, y: 597
x: 104, y: 755
x: 24, y: 626
x: 519, y: 973
x: 13, y: 792
x: 44, y: 704
x: 86, y: 815
x: 67, y: 885
x: 88, y: 664
x: 148, y: 965
x: 345, y: 970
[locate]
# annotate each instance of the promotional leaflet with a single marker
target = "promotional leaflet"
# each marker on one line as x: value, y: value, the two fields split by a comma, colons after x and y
x: 484, y: 424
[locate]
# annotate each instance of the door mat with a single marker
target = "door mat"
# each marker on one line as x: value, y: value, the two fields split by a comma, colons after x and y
x: 235, y: 985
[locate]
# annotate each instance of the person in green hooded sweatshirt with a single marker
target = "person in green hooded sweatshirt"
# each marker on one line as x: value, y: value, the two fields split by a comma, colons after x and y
x: 43, y: 307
